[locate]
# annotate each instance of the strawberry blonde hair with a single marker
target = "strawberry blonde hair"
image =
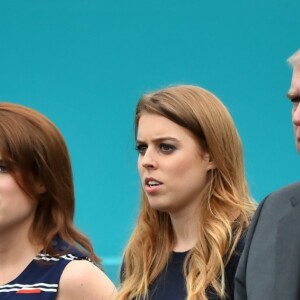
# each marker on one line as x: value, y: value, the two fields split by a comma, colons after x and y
x: 226, y: 191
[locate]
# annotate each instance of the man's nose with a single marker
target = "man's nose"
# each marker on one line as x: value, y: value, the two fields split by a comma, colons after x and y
x: 296, y: 115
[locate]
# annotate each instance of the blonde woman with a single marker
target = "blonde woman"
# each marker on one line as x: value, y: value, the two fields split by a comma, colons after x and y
x: 195, y: 203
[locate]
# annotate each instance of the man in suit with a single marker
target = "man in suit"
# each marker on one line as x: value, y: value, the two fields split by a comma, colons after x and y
x: 269, y: 268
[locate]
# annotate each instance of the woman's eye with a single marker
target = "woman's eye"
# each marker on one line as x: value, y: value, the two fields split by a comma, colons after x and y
x: 141, y: 149
x: 167, y: 148
x: 3, y: 169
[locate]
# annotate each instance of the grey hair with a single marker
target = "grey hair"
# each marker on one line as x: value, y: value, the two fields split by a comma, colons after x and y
x: 294, y: 60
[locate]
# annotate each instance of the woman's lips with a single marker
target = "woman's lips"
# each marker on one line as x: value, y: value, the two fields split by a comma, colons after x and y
x: 152, y: 185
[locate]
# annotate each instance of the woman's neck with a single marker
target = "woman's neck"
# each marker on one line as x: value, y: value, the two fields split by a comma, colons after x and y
x: 185, y: 229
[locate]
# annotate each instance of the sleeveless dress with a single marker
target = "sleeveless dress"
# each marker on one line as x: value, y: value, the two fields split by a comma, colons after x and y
x: 170, y: 283
x: 40, y: 279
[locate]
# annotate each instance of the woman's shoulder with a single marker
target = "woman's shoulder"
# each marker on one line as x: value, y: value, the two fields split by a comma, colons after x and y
x: 240, y: 243
x: 231, y: 267
x: 82, y: 279
x: 236, y: 254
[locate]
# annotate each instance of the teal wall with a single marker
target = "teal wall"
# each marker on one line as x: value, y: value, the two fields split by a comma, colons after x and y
x: 84, y: 63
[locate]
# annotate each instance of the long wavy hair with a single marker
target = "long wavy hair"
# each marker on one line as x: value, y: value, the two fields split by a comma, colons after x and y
x: 226, y: 206
x: 35, y: 152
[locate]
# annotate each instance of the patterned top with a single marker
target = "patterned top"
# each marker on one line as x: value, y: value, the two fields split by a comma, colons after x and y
x: 40, y: 278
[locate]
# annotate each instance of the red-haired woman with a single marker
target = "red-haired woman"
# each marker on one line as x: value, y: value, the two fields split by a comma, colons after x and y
x: 42, y: 255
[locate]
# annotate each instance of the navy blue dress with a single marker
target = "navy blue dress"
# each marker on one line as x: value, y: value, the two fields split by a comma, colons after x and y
x: 170, y: 284
x: 41, y: 277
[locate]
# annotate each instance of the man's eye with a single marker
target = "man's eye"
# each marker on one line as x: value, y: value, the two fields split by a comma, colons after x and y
x: 295, y: 101
x: 167, y: 148
x: 141, y: 149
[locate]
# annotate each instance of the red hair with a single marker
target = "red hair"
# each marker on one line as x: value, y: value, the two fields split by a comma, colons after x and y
x: 35, y: 152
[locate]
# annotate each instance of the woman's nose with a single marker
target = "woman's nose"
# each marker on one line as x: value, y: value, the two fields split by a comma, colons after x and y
x: 148, y: 160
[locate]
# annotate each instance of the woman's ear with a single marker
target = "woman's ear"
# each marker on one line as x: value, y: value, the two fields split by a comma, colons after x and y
x: 40, y: 188
x: 210, y: 161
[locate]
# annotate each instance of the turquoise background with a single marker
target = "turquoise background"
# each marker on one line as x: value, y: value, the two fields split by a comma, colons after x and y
x: 85, y: 63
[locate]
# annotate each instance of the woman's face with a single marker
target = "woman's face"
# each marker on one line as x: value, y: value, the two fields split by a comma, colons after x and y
x: 172, y: 167
x: 16, y: 208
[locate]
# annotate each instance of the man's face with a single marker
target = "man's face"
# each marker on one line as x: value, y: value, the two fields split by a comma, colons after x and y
x: 294, y: 95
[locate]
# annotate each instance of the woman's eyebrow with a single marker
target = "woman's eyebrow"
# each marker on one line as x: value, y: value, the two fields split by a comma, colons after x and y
x: 160, y: 139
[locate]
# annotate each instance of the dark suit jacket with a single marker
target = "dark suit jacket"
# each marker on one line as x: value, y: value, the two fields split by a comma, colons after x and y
x: 269, y: 267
